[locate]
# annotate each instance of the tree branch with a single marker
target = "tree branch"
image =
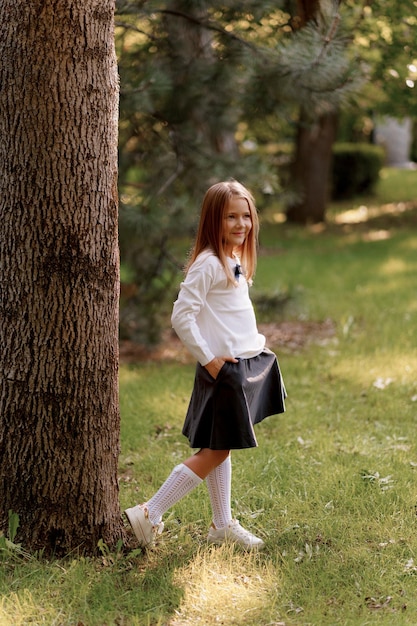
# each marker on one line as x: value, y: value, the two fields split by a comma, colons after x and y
x: 329, y: 37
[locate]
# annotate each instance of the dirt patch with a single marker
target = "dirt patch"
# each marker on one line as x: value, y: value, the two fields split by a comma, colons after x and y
x: 286, y: 336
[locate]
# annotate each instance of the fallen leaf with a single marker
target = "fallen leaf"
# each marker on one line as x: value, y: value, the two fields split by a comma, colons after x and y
x: 373, y: 604
x: 382, y: 383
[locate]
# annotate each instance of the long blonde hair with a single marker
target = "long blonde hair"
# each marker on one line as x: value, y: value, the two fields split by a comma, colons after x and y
x: 211, y: 227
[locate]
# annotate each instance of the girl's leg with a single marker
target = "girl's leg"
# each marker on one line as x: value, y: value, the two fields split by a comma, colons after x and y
x: 204, y: 461
x: 219, y: 482
x: 146, y: 518
x: 224, y: 527
x: 183, y: 479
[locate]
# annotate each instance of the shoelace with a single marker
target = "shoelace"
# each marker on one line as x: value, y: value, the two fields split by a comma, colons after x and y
x: 245, y: 534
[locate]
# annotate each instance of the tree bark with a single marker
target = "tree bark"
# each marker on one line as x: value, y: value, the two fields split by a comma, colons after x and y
x: 307, y: 10
x: 311, y: 169
x: 59, y: 410
x: 314, y: 143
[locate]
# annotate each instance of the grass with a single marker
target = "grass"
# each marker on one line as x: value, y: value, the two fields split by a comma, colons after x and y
x: 332, y: 487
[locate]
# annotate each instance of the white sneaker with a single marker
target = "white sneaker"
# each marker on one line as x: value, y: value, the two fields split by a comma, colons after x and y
x: 142, y: 526
x: 234, y: 533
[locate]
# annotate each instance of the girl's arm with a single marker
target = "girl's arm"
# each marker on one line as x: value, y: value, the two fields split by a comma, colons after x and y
x: 191, y: 299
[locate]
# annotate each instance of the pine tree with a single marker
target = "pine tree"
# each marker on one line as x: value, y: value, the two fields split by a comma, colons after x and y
x: 193, y: 75
x: 181, y: 75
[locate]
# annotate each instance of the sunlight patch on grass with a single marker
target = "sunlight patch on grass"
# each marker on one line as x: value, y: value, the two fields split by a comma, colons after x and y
x: 223, y: 586
x: 279, y: 218
x: 365, y: 372
x: 412, y: 308
x: 364, y: 213
x: 393, y: 266
x: 410, y: 243
x: 21, y: 609
x: 128, y: 375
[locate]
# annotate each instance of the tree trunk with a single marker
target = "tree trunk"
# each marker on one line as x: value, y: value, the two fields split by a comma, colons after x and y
x: 313, y: 153
x: 311, y: 169
x: 192, y: 48
x: 307, y: 10
x: 59, y: 413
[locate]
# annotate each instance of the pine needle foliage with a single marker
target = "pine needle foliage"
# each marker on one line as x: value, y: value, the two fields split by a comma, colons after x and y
x: 196, y: 77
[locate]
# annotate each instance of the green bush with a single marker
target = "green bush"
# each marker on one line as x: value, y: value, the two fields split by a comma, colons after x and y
x: 356, y: 168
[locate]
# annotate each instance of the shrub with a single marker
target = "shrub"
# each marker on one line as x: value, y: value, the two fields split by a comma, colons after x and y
x: 356, y: 168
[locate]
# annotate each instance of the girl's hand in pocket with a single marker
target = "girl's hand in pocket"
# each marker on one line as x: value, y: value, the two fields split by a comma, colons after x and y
x: 214, y: 366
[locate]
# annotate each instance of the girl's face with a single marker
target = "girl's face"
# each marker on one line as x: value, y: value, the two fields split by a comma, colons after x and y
x: 237, y: 223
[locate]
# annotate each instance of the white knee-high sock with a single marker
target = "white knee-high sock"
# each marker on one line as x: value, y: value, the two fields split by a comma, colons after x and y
x: 181, y: 481
x: 219, y: 484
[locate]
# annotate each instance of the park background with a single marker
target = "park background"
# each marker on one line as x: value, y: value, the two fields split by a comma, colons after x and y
x: 208, y: 93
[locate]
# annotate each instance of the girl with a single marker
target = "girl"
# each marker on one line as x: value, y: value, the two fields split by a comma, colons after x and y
x: 237, y: 381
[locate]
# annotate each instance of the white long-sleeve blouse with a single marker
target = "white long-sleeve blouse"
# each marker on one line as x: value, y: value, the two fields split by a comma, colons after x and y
x: 213, y: 318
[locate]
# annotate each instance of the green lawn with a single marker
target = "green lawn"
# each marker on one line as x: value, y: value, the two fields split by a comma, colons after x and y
x: 332, y: 487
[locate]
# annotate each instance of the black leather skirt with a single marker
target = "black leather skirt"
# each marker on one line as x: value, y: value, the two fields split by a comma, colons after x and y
x: 223, y: 411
